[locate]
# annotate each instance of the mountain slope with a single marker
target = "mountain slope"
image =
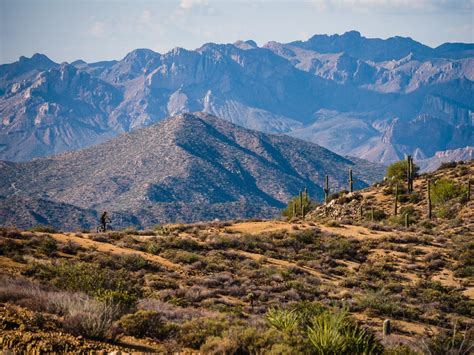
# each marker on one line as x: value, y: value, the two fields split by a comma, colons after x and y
x: 189, y: 167
x: 380, y: 93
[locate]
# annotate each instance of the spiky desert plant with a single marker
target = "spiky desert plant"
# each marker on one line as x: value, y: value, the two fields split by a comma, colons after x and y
x: 407, y: 219
x: 282, y: 319
x: 334, y: 333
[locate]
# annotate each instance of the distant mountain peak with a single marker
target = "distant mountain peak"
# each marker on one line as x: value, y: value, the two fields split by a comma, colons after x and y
x: 249, y: 44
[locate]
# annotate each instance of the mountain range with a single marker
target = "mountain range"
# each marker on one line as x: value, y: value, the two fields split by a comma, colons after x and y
x: 369, y: 98
x: 189, y: 167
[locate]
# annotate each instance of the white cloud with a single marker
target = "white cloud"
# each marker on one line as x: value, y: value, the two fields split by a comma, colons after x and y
x: 392, y: 5
x: 97, y: 29
x: 187, y: 4
x: 145, y: 17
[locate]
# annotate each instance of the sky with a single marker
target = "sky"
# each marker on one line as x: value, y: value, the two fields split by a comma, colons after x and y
x: 94, y: 30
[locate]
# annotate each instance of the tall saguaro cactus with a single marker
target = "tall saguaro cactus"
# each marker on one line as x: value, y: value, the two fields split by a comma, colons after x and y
x: 326, y: 190
x: 468, y: 192
x: 351, y: 182
x: 301, y: 201
x: 428, y: 197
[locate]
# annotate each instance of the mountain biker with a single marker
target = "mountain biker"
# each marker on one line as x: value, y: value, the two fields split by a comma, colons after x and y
x: 104, y: 219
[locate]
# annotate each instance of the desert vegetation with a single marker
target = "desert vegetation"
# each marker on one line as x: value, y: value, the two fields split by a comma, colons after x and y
x: 345, y: 280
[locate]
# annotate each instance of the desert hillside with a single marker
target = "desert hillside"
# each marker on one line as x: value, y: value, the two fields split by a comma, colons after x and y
x: 324, y: 284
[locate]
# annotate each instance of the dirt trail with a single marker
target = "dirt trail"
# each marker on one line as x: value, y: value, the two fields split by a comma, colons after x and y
x: 283, y: 263
x: 110, y: 248
x: 357, y: 232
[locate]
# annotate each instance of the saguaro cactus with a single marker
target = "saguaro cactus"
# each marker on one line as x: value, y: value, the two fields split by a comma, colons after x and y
x: 387, y: 328
x: 410, y: 173
x: 326, y: 190
x: 372, y: 213
x: 395, y: 210
x: 303, y: 212
x: 407, y: 219
x: 361, y: 210
x: 301, y: 201
x: 468, y: 193
x: 294, y: 209
x: 351, y: 182
x: 428, y: 197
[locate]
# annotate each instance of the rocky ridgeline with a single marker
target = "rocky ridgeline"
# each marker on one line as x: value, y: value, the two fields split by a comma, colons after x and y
x: 371, y: 98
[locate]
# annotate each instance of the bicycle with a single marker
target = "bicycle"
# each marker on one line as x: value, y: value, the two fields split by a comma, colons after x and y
x: 101, y: 229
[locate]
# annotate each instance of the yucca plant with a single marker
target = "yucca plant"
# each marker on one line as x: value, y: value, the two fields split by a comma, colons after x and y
x: 326, y: 333
x: 282, y: 319
x: 334, y: 333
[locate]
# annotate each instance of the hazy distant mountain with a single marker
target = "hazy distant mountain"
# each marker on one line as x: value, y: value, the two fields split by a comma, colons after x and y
x: 371, y: 98
x: 189, y: 167
x: 433, y: 163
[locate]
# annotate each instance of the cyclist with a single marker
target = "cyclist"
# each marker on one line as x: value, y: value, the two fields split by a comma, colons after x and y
x: 104, y: 219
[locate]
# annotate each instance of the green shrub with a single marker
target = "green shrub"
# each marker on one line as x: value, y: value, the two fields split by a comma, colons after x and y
x: 295, y: 203
x: 444, y: 190
x: 283, y: 319
x: 43, y: 229
x: 194, y: 333
x: 397, y: 171
x: 48, y: 246
x: 145, y: 324
x: 333, y: 333
x: 102, y: 283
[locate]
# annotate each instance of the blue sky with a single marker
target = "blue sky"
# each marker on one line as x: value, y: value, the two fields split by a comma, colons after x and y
x: 94, y: 30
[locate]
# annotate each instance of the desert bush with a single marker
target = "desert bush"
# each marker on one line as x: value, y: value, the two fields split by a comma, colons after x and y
x: 47, y: 245
x: 82, y: 315
x: 379, y: 215
x: 449, y: 342
x: 194, y: 333
x: 43, y: 229
x: 384, y: 304
x: 447, y: 165
x: 397, y: 172
x: 108, y: 285
x: 444, y: 190
x: 145, y: 324
x: 10, y: 247
x: 70, y: 247
x: 90, y: 318
x: 244, y: 340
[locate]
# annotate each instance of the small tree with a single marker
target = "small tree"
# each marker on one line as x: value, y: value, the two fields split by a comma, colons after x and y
x: 397, y: 172
x: 295, y: 208
x: 445, y: 190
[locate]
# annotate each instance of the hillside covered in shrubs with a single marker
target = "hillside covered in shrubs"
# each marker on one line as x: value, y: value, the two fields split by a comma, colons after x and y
x: 353, y: 277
